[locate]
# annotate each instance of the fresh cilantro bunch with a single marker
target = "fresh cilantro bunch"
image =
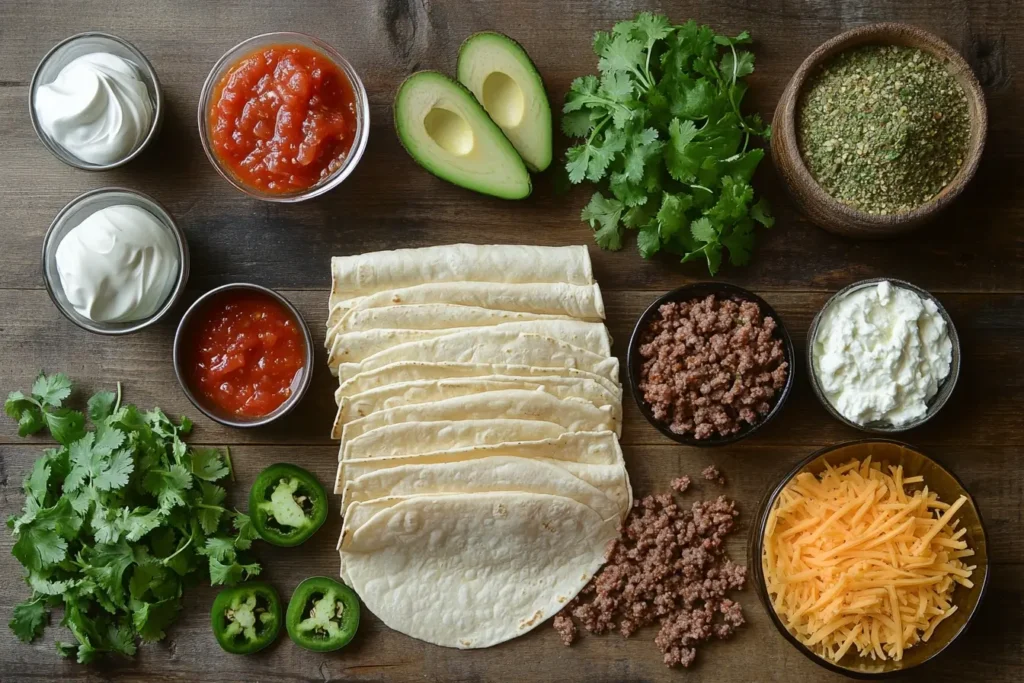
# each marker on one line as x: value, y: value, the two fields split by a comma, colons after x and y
x: 117, y: 519
x: 662, y: 125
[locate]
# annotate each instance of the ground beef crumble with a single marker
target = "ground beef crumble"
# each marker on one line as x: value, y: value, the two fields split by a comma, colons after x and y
x: 711, y: 366
x: 680, y: 484
x: 711, y: 473
x: 669, y: 566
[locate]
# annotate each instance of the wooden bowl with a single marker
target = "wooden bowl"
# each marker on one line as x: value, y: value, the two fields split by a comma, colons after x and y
x: 821, y: 207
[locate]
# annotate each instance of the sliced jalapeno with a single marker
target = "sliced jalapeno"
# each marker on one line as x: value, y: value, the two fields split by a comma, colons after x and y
x: 323, y: 615
x: 246, y: 618
x: 287, y: 505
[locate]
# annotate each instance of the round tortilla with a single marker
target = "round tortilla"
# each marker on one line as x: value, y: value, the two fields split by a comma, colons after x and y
x: 474, y: 570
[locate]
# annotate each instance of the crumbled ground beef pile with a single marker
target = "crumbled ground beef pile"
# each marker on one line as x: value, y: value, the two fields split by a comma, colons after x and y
x: 680, y: 484
x: 711, y: 473
x: 711, y: 366
x: 668, y: 566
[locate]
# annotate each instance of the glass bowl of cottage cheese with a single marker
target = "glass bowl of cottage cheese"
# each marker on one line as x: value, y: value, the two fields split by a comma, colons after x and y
x: 884, y: 356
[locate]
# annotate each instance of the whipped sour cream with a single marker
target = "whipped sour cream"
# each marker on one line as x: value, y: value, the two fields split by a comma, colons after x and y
x: 98, y: 108
x: 880, y: 354
x: 118, y: 265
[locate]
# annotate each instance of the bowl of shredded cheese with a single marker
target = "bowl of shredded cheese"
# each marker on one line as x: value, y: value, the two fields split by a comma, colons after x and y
x: 870, y: 557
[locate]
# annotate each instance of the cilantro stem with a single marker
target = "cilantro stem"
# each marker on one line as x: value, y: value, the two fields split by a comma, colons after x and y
x: 117, y: 402
x: 167, y: 559
x: 227, y: 457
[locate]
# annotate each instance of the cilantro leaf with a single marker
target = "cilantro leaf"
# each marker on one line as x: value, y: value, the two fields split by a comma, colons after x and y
x: 603, y: 215
x: 246, y: 531
x: 219, y: 548
x: 703, y: 231
x: 209, y: 509
x: 230, y: 573
x: 761, y: 213
x: 29, y: 619
x: 151, y: 618
x: 51, y: 390
x: 26, y: 412
x: 648, y: 241
x: 66, y: 426
x: 101, y: 405
x: 208, y: 464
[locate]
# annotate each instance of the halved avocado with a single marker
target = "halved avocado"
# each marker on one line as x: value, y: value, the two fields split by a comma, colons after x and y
x: 499, y: 73
x: 448, y: 133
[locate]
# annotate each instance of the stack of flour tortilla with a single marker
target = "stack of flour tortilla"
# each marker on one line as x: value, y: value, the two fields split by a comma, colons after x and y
x: 479, y: 409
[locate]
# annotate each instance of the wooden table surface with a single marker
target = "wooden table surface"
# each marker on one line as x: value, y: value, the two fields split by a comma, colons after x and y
x: 971, y: 258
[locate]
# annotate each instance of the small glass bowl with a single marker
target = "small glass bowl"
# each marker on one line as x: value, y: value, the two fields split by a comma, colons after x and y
x: 72, y: 48
x: 362, y: 110
x: 71, y: 216
x: 938, y: 479
x: 183, y: 336
x: 699, y: 290
x: 945, y: 389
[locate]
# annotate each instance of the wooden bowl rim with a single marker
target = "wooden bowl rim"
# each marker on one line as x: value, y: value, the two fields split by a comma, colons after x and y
x: 894, y: 33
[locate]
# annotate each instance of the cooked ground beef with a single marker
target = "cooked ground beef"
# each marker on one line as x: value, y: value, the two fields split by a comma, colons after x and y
x: 680, y: 484
x: 711, y: 365
x: 669, y: 565
x: 711, y: 473
x: 566, y: 628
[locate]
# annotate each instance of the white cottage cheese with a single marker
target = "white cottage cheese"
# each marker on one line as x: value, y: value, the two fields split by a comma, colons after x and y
x: 880, y: 354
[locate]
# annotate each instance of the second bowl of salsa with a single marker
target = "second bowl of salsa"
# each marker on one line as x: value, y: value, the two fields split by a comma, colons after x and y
x: 243, y: 355
x: 284, y: 117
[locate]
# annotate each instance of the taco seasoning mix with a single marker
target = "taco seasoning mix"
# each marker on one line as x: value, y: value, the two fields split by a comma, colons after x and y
x: 883, y: 128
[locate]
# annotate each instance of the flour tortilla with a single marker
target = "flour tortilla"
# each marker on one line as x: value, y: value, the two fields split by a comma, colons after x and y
x: 433, y: 567
x: 499, y: 473
x: 582, y: 302
x: 575, y: 415
x: 414, y: 438
x: 488, y: 345
x: 588, y: 448
x: 363, y: 274
x: 354, y: 347
x: 412, y: 371
x: 425, y: 391
x: 439, y: 316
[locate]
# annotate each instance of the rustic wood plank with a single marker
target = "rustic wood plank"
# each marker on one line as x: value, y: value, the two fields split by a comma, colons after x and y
x: 381, y: 654
x: 985, y: 408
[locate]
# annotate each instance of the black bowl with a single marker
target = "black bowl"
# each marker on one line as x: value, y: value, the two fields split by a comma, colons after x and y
x: 939, y: 479
x: 699, y: 290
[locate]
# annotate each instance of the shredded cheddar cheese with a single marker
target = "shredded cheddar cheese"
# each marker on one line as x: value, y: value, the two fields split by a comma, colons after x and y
x: 852, y: 559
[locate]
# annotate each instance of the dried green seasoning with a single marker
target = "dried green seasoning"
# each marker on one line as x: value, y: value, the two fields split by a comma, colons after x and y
x: 883, y: 128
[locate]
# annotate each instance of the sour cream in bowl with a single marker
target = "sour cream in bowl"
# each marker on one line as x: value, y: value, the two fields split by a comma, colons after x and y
x: 95, y: 101
x: 114, y: 261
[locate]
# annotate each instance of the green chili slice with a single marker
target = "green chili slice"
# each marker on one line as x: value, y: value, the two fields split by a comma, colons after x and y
x: 287, y: 505
x: 246, y: 618
x: 323, y: 615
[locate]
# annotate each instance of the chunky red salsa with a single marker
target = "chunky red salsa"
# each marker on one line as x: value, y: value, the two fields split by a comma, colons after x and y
x: 248, y: 351
x: 283, y: 119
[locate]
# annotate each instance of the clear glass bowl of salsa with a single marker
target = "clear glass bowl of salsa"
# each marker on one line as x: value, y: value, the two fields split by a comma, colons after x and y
x: 284, y: 117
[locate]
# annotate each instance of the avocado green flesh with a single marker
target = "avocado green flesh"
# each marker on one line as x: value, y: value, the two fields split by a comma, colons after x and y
x: 448, y: 133
x: 501, y: 76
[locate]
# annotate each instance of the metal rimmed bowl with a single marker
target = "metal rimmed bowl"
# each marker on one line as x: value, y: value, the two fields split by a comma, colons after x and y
x: 699, y: 290
x: 945, y: 389
x: 87, y: 43
x: 76, y: 211
x: 184, y: 336
x: 285, y: 38
x: 948, y: 488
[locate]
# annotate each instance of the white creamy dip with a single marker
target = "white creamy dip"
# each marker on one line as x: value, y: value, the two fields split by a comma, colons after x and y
x: 118, y: 265
x: 98, y: 108
x: 880, y: 354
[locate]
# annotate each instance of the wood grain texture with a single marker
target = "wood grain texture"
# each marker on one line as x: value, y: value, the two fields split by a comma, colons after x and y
x: 971, y: 258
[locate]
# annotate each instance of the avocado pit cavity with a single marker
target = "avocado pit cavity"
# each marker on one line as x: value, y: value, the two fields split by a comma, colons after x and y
x: 503, y: 99
x: 449, y: 130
